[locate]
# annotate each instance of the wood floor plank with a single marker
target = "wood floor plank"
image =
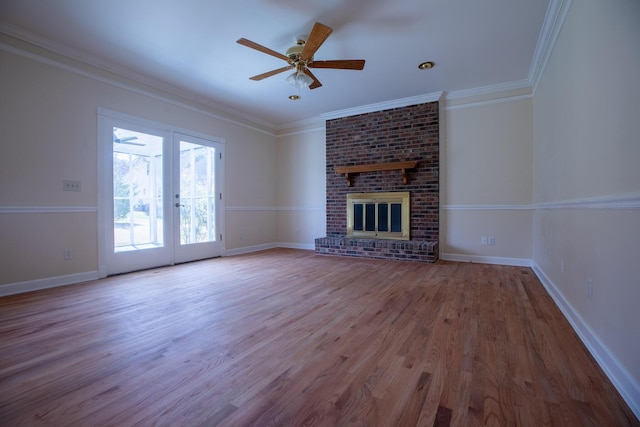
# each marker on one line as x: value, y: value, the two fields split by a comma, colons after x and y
x: 287, y: 338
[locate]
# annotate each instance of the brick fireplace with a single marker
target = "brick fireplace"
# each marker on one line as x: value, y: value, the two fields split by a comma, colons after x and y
x: 388, y: 137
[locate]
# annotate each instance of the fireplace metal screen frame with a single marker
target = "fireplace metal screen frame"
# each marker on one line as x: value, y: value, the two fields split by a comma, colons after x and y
x: 396, y: 197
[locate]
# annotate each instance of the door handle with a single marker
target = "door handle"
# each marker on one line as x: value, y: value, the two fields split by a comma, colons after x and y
x: 178, y: 205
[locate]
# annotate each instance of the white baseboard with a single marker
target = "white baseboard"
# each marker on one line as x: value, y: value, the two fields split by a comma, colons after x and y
x: 305, y: 246
x: 518, y: 262
x: 627, y: 386
x: 249, y: 249
x: 256, y: 248
x: 49, y: 282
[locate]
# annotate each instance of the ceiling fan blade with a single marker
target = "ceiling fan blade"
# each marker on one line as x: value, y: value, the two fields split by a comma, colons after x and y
x: 124, y: 139
x: 316, y: 83
x: 344, y: 64
x: 318, y: 35
x: 258, y: 47
x: 270, y: 73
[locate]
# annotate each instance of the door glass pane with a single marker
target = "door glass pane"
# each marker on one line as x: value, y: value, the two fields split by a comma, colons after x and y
x: 197, y: 193
x: 137, y: 190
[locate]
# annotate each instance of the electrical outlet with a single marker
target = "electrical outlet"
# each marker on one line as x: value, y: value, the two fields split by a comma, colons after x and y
x: 68, y: 254
x: 71, y: 185
x: 483, y: 240
x: 491, y: 240
x: 589, y: 289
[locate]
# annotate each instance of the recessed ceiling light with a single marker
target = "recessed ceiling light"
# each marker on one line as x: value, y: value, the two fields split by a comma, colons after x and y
x: 426, y: 65
x: 294, y: 97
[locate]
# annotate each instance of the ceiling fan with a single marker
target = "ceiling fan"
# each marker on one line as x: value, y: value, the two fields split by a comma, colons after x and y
x: 299, y: 58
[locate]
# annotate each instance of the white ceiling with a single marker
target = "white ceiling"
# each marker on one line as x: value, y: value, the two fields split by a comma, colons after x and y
x: 189, y: 47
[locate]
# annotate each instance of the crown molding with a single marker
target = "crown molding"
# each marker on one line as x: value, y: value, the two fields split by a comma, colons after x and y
x: 363, y: 109
x: 381, y: 106
x: 317, y: 125
x: 500, y: 90
x: 553, y: 22
x: 503, y: 92
x: 42, y: 50
x: 488, y: 101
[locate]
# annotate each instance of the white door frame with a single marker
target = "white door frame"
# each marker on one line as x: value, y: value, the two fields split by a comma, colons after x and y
x: 106, y: 118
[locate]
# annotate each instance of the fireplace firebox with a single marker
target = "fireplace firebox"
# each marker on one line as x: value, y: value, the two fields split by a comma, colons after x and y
x: 378, y: 215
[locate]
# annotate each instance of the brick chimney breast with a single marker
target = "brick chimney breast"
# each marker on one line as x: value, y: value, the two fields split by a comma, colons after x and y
x: 395, y: 135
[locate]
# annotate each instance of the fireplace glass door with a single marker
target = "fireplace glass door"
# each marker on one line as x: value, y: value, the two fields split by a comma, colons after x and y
x: 378, y: 215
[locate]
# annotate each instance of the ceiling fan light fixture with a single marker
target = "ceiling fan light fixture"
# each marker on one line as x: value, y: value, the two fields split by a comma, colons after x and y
x: 427, y: 65
x: 291, y: 79
x: 303, y: 79
x: 294, y: 97
x: 299, y: 79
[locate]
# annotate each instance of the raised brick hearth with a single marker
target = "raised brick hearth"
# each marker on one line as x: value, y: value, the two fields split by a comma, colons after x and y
x: 395, y: 135
x: 404, y: 250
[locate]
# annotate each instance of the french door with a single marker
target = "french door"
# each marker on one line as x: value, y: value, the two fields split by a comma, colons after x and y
x: 161, y: 202
x: 197, y: 198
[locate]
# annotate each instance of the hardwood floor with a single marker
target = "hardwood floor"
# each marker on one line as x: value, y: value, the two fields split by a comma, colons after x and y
x: 289, y: 338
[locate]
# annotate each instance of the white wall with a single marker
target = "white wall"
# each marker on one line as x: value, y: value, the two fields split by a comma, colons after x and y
x: 48, y: 120
x: 251, y: 216
x: 487, y: 181
x: 587, y: 182
x: 301, y: 187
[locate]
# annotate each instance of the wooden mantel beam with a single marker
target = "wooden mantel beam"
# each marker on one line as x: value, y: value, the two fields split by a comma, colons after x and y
x: 403, y: 166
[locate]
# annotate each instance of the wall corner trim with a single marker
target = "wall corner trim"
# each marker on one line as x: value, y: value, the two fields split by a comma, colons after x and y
x: 627, y: 386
